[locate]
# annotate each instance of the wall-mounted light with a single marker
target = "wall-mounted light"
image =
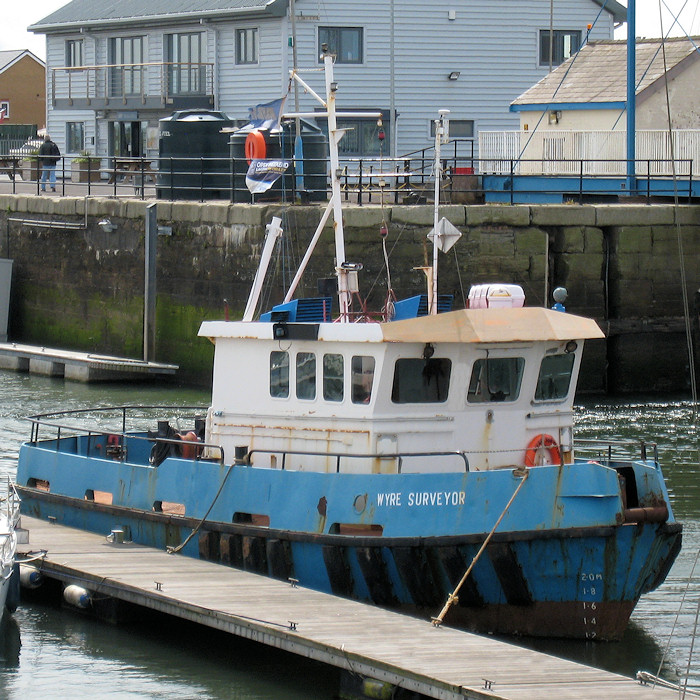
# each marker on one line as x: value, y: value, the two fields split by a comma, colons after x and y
x: 554, y: 117
x: 107, y: 226
x: 454, y: 75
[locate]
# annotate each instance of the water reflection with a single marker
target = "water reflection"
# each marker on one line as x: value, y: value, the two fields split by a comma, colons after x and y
x: 160, y: 658
x: 10, y: 642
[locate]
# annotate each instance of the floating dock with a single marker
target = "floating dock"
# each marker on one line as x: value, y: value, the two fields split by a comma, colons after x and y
x: 78, y: 366
x: 439, y: 662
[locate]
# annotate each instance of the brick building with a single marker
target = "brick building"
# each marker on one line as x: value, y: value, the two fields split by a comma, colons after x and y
x: 22, y: 88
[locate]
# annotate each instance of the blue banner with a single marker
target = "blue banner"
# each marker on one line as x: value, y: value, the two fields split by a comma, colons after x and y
x: 267, y: 115
x: 262, y: 174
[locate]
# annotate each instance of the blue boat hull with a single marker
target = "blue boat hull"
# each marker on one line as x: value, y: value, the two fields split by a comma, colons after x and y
x: 562, y: 563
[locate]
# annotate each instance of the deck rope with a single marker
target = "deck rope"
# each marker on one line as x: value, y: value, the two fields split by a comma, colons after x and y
x: 453, y: 597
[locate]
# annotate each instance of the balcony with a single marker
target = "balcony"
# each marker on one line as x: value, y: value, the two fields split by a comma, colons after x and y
x: 133, y: 86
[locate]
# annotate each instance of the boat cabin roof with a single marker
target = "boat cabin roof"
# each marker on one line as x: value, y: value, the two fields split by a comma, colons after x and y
x: 504, y: 325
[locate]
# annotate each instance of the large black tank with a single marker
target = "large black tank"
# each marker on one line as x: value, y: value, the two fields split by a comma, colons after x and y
x: 310, y: 179
x: 194, y: 159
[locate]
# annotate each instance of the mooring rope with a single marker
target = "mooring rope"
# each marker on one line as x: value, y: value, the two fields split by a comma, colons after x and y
x: 175, y: 550
x: 437, y: 621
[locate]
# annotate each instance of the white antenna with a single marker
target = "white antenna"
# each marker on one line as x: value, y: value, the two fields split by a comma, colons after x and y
x: 442, y: 135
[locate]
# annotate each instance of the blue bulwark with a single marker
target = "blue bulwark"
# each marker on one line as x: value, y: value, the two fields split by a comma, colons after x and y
x: 418, y: 306
x: 314, y: 310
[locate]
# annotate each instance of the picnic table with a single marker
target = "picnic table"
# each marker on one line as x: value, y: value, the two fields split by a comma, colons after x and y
x: 127, y: 168
x: 133, y: 170
x: 11, y: 166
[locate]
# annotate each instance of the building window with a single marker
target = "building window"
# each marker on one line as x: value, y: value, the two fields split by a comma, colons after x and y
x: 344, y: 42
x: 421, y: 381
x: 361, y: 138
x: 74, y: 53
x: 126, y: 59
x: 565, y: 43
x: 75, y: 137
x: 186, y: 72
x: 246, y: 45
x: 4, y: 109
x: 459, y: 128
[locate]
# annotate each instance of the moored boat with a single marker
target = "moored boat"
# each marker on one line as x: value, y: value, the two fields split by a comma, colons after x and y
x: 381, y: 460
x: 9, y: 519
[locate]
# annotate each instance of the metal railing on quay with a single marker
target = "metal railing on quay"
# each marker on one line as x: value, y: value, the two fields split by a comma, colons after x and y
x: 407, y: 179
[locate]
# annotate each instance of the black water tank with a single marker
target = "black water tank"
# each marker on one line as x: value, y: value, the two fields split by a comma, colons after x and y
x: 312, y: 169
x: 194, y: 160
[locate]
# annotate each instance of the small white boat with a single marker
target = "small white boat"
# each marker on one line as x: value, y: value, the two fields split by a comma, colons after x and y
x: 9, y: 520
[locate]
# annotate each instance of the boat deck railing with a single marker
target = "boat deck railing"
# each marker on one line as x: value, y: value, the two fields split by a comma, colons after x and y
x: 117, y: 438
x: 339, y: 456
x: 609, y: 450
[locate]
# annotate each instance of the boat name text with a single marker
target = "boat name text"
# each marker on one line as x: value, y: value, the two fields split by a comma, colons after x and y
x: 422, y: 498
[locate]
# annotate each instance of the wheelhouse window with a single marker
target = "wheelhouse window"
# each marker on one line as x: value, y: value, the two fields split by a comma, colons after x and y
x: 333, y: 370
x: 496, y: 379
x: 186, y: 72
x: 565, y: 43
x: 344, y: 42
x: 361, y: 378
x: 555, y: 377
x: 306, y: 375
x: 75, y: 137
x: 246, y: 45
x: 421, y: 381
x: 279, y: 374
x: 74, y: 53
x: 126, y: 59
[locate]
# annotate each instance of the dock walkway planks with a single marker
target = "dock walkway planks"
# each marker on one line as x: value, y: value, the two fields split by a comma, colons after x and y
x: 403, y: 650
x: 78, y: 366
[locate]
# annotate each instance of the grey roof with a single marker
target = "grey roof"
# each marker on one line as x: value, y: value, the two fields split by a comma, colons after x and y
x: 598, y: 72
x: 79, y: 13
x: 7, y: 57
x: 619, y: 12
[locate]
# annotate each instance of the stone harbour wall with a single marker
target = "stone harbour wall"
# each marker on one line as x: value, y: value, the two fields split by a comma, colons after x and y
x: 76, y: 286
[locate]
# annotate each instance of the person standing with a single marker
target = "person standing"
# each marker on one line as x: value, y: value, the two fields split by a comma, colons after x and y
x: 49, y: 155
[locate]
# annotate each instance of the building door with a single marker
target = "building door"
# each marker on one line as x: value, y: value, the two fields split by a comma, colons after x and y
x: 126, y: 139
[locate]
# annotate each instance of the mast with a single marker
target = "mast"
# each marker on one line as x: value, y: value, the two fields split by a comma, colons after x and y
x: 346, y: 272
x: 631, y: 89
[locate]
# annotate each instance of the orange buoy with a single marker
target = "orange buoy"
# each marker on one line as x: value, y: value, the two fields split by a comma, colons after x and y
x: 538, y: 443
x: 255, y: 146
x: 189, y: 451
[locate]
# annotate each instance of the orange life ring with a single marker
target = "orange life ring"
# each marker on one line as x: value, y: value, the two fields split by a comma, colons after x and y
x: 537, y: 443
x: 255, y: 147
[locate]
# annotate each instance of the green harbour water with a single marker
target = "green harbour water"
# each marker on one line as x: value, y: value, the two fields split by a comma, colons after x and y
x: 48, y: 652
